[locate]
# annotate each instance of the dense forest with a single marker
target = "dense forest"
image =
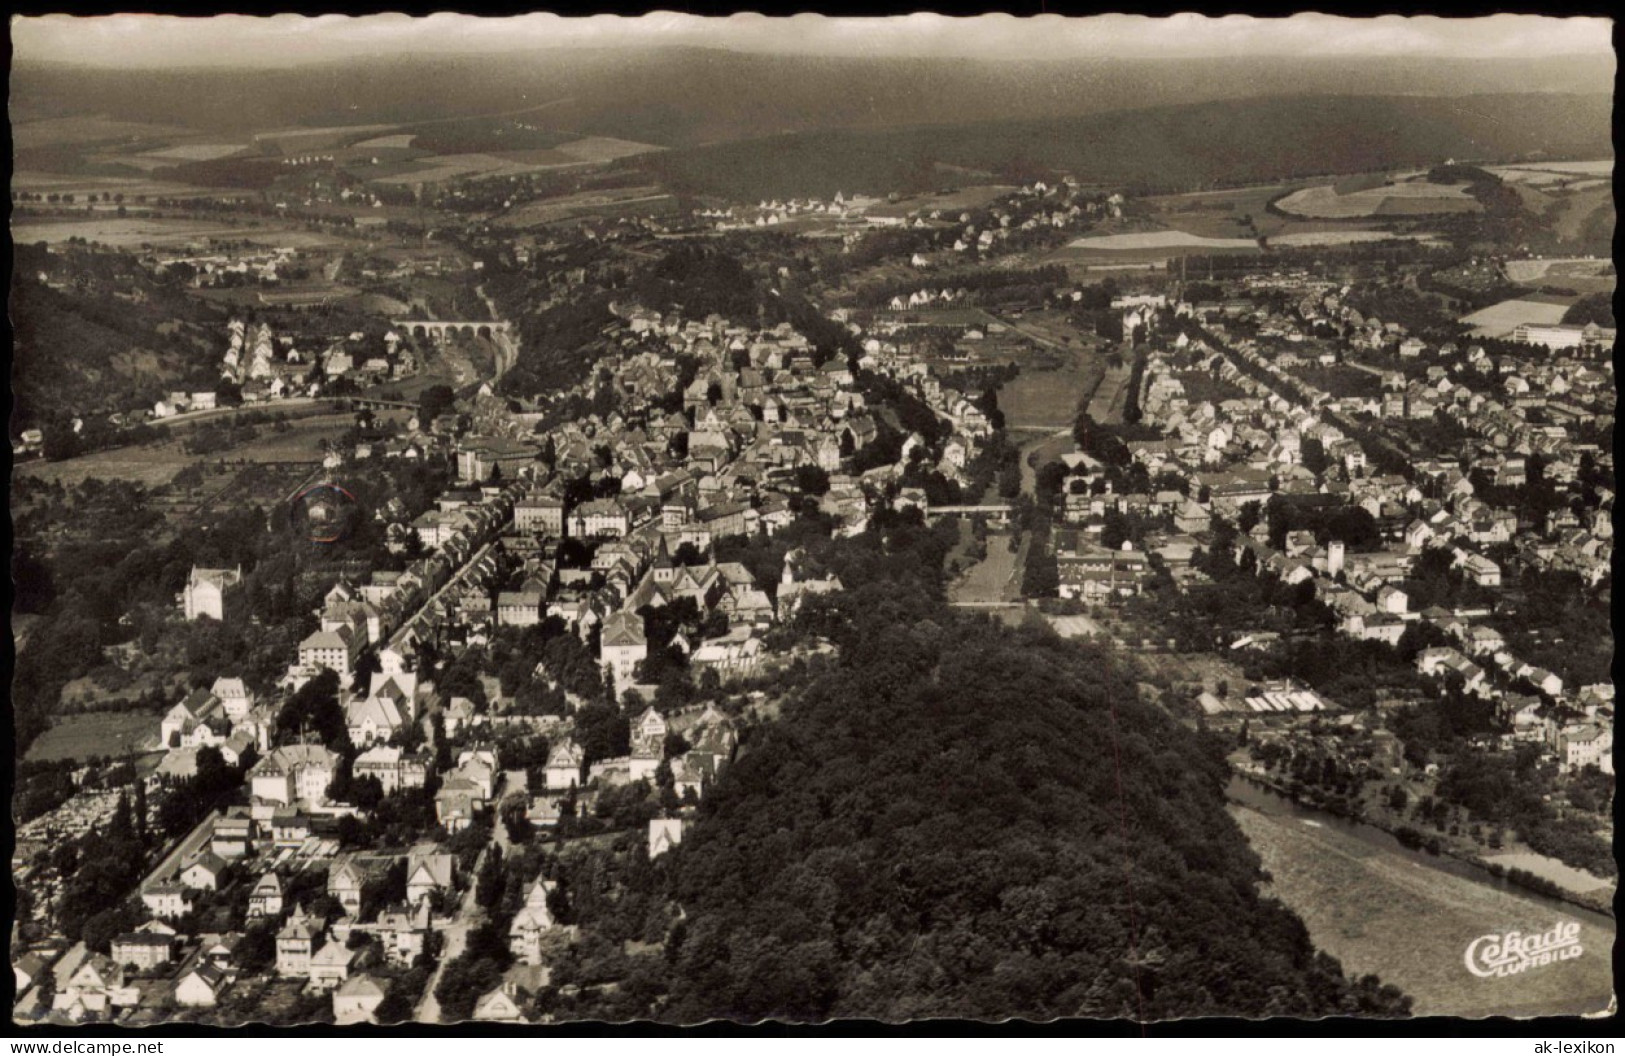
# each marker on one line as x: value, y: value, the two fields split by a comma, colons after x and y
x: 959, y: 819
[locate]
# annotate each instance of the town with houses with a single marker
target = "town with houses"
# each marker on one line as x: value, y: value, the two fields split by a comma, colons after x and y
x: 575, y: 532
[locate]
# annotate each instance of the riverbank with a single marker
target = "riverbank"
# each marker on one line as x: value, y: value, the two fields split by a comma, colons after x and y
x: 1411, y: 918
x: 1599, y: 901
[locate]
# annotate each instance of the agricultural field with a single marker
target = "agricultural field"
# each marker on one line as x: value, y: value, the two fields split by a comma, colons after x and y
x: 150, y: 466
x: 1408, y: 198
x: 299, y: 140
x: 194, y: 152
x: 1154, y: 240
x: 1143, y: 248
x: 397, y: 141
x: 132, y: 187
x: 595, y: 149
x: 135, y: 232
x: 437, y: 168
x: 1555, y: 173
x: 1222, y: 214
x: 544, y: 153
x: 628, y: 201
x: 1501, y: 319
x: 77, y: 131
x: 86, y: 734
x: 955, y: 201
x: 1344, y: 238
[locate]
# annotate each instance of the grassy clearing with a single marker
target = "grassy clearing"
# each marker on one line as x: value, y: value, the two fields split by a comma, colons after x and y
x: 1386, y: 914
x: 96, y: 733
x: 1049, y: 398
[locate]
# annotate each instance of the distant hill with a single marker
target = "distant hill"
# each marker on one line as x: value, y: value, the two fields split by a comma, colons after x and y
x: 1167, y: 148
x: 692, y: 96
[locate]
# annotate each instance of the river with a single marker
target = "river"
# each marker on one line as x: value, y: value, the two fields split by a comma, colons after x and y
x: 1409, y: 917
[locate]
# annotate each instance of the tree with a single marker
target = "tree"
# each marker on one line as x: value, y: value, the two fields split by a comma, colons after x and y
x: 488, y: 885
x: 811, y: 480
x: 314, y: 708
x: 435, y: 401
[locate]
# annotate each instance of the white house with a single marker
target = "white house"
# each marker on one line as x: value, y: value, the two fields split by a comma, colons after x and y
x: 206, y: 589
x: 533, y: 920
x: 357, y: 1000
x: 200, y: 987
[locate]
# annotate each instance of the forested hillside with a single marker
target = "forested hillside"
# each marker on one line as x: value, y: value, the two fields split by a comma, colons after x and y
x: 958, y: 819
x: 76, y: 350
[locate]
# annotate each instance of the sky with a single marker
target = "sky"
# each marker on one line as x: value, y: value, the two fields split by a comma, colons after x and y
x: 157, y: 41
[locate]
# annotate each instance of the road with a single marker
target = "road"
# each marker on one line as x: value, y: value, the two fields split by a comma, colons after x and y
x: 468, y: 915
x: 451, y: 581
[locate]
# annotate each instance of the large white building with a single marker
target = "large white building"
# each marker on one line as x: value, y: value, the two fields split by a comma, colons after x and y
x: 622, y: 646
x: 1559, y: 336
x: 205, y: 593
x: 1586, y: 744
x: 293, y: 773
x: 334, y: 650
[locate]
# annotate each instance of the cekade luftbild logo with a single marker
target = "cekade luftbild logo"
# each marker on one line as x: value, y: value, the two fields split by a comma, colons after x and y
x: 1515, y: 952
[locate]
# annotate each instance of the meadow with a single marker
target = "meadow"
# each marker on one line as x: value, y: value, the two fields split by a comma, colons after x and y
x: 1379, y: 911
x: 154, y: 465
x: 85, y: 734
x: 1049, y: 399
